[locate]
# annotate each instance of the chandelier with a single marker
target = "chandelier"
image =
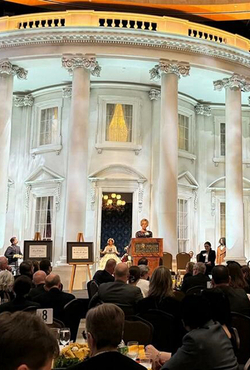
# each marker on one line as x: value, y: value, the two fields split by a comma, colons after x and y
x: 113, y: 202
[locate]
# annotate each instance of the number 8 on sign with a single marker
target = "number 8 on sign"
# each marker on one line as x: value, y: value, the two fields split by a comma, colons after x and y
x: 46, y: 315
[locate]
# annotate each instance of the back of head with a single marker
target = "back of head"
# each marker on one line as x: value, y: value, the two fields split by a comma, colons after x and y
x: 52, y: 281
x: 220, y: 305
x: 39, y: 277
x: 160, y: 283
x: 220, y: 275
x: 134, y: 274
x: 237, y: 278
x: 105, y: 323
x: 190, y: 267
x: 3, y: 263
x: 25, y: 340
x: 143, y: 261
x: 195, y: 311
x: 22, y: 286
x: 45, y: 266
x: 110, y: 265
x: 199, y: 268
x: 121, y: 271
x: 26, y: 268
x: 144, y: 270
x: 6, y: 281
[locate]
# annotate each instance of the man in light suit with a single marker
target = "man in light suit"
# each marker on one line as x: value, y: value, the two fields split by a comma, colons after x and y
x: 118, y: 292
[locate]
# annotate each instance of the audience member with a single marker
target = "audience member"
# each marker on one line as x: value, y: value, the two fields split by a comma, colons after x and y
x: 27, y: 269
x: 143, y: 261
x: 189, y: 270
x: 198, y: 279
x: 134, y: 277
x: 45, y: 266
x: 207, y: 256
x: 237, y: 278
x: 6, y: 280
x: 53, y: 297
x: 143, y: 283
x: 106, y: 275
x: 26, y: 343
x: 104, y: 327
x: 198, y: 350
x: 36, y: 266
x: 39, y: 281
x: 21, y: 288
x: 118, y: 292
x: 246, y: 273
x: 238, y: 299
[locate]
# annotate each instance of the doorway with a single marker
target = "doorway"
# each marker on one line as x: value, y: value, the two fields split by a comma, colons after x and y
x: 116, y: 219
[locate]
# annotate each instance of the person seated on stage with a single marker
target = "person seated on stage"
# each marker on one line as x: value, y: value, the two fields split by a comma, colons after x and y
x: 207, y: 256
x: 27, y: 269
x: 106, y: 275
x: 109, y: 252
x: 45, y: 266
x: 118, y: 292
x: 13, y: 253
x: 198, y: 279
x: 26, y: 343
x: 144, y: 233
x: 189, y: 270
x: 39, y: 282
x: 21, y: 288
x: 143, y: 261
x: 53, y: 297
x: 6, y: 280
x: 198, y: 350
x: 104, y: 329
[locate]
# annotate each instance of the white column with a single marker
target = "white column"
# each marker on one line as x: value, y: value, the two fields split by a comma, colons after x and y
x: 170, y: 72
x: 234, y: 174
x: 77, y: 173
x: 7, y: 73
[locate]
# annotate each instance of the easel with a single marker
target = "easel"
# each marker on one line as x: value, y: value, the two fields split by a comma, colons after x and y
x: 79, y: 239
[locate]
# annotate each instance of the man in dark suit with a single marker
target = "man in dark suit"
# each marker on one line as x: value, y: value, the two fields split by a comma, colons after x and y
x: 198, y: 279
x: 104, y: 327
x: 12, y: 253
x: 106, y: 275
x: 53, y: 297
x: 237, y: 297
x: 207, y: 256
x: 118, y: 292
x: 39, y: 282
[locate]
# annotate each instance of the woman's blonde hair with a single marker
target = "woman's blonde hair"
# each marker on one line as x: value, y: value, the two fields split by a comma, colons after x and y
x: 144, y: 219
x: 160, y: 285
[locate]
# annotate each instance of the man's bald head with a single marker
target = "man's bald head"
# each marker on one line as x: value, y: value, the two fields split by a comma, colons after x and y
x: 3, y: 263
x: 110, y: 266
x: 121, y: 272
x: 52, y: 281
x: 39, y: 277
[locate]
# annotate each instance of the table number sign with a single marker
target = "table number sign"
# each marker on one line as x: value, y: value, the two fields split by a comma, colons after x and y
x: 46, y: 315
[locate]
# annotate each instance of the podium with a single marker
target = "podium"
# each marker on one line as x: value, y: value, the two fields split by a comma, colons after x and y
x: 151, y: 248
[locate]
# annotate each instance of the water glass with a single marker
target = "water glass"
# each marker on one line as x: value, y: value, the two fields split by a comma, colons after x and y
x: 133, y: 350
x: 146, y: 362
x: 65, y: 336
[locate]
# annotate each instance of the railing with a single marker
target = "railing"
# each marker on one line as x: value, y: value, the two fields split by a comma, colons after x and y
x: 131, y: 21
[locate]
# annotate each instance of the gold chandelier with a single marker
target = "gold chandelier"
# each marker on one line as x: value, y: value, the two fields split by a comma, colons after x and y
x: 113, y: 202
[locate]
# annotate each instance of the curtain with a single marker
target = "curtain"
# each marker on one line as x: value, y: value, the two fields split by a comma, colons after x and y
x: 127, y: 114
x: 110, y: 110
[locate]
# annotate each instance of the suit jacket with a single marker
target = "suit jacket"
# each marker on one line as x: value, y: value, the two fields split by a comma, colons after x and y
x: 9, y: 253
x: 200, y: 352
x: 211, y: 258
x: 17, y: 304
x: 103, y: 276
x: 238, y: 299
x: 34, y: 292
x: 108, y: 361
x: 55, y: 299
x: 192, y: 281
x: 117, y: 292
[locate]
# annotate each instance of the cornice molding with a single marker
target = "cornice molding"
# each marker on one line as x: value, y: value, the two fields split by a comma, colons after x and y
x: 89, y: 62
x: 203, y: 109
x: 169, y: 66
x: 23, y: 100
x: 6, y: 67
x: 235, y: 82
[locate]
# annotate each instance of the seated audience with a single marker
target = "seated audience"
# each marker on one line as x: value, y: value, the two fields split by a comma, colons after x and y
x: 143, y: 261
x: 45, y: 266
x: 53, y: 297
x: 198, y: 279
x: 246, y: 273
x: 39, y: 282
x: 106, y: 275
x: 26, y: 343
x: 198, y: 350
x: 189, y: 270
x: 238, y: 299
x: 21, y: 288
x: 135, y: 278
x: 6, y: 279
x: 237, y: 278
x: 143, y: 283
x: 208, y: 256
x: 36, y: 266
x: 160, y: 295
x: 104, y: 327
x: 26, y: 268
x: 118, y: 292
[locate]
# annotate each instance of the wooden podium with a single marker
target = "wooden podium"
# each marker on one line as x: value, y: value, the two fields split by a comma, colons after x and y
x: 151, y: 248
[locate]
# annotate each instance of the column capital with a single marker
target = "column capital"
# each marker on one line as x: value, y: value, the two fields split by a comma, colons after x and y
x: 154, y: 94
x: 70, y: 62
x: 23, y: 100
x: 11, y: 69
x: 67, y: 92
x: 235, y: 82
x: 169, y: 66
x: 203, y: 109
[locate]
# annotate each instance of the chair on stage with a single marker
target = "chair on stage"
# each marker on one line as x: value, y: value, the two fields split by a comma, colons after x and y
x: 167, y: 260
x: 92, y: 288
x: 74, y: 311
x: 181, y: 260
x: 242, y: 324
x: 198, y: 257
x: 137, y: 329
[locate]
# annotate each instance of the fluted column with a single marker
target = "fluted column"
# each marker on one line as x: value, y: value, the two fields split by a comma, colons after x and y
x: 234, y: 175
x: 7, y: 73
x: 170, y: 72
x: 80, y: 67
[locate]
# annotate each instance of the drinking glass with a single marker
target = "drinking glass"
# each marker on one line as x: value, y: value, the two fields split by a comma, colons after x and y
x: 133, y: 350
x: 65, y: 336
x: 146, y: 362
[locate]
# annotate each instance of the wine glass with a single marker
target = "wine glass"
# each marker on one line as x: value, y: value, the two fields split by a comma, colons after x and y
x: 65, y: 336
x: 133, y: 350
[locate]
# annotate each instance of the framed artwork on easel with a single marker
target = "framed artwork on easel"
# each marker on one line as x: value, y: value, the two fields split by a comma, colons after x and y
x: 80, y: 253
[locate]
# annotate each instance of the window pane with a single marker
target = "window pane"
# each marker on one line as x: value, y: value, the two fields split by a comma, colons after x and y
x: 222, y: 219
x: 182, y: 227
x: 44, y: 213
x: 48, y: 126
x: 119, y: 122
x: 183, y: 132
x: 222, y: 139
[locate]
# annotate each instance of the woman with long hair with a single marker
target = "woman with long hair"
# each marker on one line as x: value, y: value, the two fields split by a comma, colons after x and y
x: 237, y: 278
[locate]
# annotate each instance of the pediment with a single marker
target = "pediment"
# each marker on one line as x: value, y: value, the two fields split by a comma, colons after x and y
x: 186, y: 179
x: 43, y: 175
x: 117, y: 172
x: 220, y: 184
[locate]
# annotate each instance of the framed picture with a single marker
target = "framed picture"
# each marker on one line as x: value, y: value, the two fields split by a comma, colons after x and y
x: 80, y: 252
x: 37, y: 250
